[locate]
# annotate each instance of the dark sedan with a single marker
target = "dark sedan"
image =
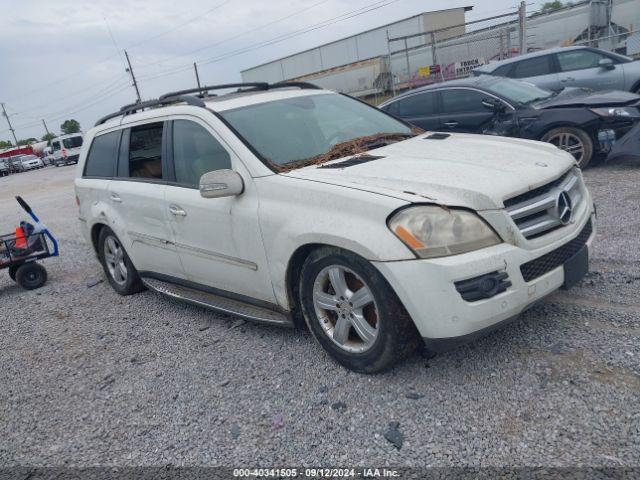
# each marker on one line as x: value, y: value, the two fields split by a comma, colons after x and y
x: 581, y: 122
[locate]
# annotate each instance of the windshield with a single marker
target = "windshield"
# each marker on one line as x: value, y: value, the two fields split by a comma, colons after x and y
x: 516, y: 91
x: 72, y: 142
x: 295, y: 131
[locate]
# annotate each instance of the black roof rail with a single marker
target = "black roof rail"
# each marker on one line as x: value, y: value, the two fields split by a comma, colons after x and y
x: 208, y: 88
x: 302, y: 85
x: 164, y: 100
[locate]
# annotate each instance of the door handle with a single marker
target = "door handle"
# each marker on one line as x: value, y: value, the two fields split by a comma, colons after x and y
x: 451, y: 124
x: 116, y: 198
x: 567, y: 79
x: 177, y: 211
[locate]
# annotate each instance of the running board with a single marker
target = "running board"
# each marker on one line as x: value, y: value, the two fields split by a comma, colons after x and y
x: 218, y: 303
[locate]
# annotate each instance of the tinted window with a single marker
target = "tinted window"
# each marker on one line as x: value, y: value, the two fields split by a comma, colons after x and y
x: 578, y: 60
x: 419, y: 105
x: 145, y: 151
x: 56, y: 146
x: 101, y: 161
x: 532, y: 67
x: 502, y: 71
x: 73, y: 142
x: 196, y: 152
x: 459, y: 100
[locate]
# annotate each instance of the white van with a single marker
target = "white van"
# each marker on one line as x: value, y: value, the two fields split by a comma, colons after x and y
x: 66, y: 149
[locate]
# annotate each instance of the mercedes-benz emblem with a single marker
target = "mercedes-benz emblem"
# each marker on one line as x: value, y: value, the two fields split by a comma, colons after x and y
x: 564, y: 209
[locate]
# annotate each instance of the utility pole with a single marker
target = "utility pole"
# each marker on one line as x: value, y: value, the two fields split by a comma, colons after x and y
x: 393, y: 83
x: 522, y: 24
x: 45, y: 128
x: 195, y: 67
x: 13, y: 132
x: 133, y: 77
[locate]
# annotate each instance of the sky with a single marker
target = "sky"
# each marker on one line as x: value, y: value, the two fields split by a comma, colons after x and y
x: 63, y: 59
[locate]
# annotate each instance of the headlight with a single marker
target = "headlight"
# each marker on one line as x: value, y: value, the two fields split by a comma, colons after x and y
x: 624, y: 112
x: 433, y: 231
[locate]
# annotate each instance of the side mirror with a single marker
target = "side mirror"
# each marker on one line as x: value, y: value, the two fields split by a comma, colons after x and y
x: 221, y: 183
x: 493, y: 104
x: 606, y: 63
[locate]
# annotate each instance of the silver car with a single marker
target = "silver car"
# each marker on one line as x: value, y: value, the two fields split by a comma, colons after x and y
x: 557, y: 68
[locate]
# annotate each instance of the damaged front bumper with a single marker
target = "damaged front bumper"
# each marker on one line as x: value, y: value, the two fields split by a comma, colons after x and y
x: 435, y: 292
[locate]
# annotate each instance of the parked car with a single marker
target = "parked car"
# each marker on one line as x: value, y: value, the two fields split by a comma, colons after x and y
x: 4, y: 168
x: 66, y: 149
x: 30, y: 162
x: 289, y: 204
x: 558, y: 68
x: 574, y: 120
x: 15, y: 164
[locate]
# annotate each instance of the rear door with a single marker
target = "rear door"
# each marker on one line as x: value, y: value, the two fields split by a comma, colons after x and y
x: 136, y: 197
x: 420, y: 109
x: 579, y: 68
x: 540, y: 71
x: 462, y: 110
x: 218, y: 239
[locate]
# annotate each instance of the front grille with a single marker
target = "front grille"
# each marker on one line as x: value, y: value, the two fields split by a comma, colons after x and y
x: 555, y: 258
x: 536, y: 211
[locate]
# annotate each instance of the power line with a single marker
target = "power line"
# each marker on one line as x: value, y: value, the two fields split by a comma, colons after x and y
x: 325, y: 23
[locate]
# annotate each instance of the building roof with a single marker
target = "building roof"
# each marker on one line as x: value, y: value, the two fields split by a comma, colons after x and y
x: 466, y: 9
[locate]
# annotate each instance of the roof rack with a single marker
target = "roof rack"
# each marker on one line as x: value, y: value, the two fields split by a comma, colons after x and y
x: 242, y: 87
x: 201, y: 92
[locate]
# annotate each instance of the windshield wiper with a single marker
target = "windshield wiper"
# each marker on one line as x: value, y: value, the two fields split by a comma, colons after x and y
x: 349, y: 147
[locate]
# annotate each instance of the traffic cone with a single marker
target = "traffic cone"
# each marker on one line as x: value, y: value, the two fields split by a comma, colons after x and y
x: 21, y: 240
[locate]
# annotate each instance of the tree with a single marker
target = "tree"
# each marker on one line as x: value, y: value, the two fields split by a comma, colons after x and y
x: 70, y: 126
x: 549, y: 6
x: 48, y: 137
x: 5, y: 144
x: 27, y: 141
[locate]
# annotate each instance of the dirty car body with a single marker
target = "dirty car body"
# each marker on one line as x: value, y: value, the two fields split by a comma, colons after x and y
x: 500, y: 106
x: 442, y: 237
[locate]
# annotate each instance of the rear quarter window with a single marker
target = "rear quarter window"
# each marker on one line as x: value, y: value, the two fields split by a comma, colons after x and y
x: 103, y: 155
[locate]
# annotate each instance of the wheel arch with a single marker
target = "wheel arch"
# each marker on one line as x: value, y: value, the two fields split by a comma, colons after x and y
x: 292, y: 275
x: 95, y: 235
x: 636, y: 87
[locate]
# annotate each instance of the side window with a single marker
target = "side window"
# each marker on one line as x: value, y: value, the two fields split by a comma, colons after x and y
x: 502, y: 71
x: 532, y: 67
x: 419, y: 105
x: 145, y: 151
x: 101, y: 160
x: 196, y: 152
x: 460, y: 100
x: 578, y: 60
x: 392, y: 108
x: 56, y: 146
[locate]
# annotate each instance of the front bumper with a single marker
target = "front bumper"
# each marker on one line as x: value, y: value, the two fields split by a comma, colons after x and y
x: 427, y: 289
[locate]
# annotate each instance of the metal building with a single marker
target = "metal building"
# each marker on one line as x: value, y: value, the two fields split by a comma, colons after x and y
x: 356, y: 64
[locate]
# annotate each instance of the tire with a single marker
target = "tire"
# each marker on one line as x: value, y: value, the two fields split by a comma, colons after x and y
x: 574, y: 140
x: 117, y: 265
x: 389, y: 333
x: 31, y: 275
x: 12, y: 272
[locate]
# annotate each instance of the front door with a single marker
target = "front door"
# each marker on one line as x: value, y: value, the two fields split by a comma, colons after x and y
x: 218, y: 239
x: 580, y: 68
x: 463, y: 111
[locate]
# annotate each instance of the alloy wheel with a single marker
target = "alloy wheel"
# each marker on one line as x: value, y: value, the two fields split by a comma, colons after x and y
x: 569, y: 143
x: 114, y: 259
x: 346, y: 308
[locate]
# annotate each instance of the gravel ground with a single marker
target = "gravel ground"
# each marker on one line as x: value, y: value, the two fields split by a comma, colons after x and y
x: 92, y: 378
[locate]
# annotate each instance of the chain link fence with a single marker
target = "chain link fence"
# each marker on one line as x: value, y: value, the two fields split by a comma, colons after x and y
x: 453, y: 52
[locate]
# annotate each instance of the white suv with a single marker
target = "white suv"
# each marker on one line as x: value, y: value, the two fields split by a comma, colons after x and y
x: 287, y: 203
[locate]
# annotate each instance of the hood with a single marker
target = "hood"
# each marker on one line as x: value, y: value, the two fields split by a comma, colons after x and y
x: 473, y: 171
x: 579, y: 97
